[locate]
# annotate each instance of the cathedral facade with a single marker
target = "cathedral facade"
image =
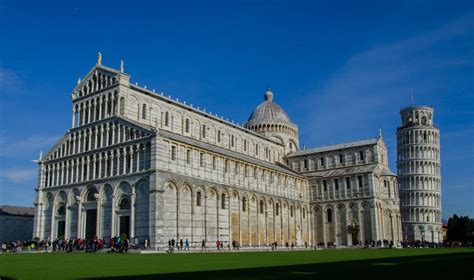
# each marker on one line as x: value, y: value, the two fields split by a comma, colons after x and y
x: 139, y: 163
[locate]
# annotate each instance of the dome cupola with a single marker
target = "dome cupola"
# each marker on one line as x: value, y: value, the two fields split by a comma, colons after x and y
x: 273, y: 122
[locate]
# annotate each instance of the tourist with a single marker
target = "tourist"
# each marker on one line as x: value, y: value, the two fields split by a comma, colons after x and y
x: 187, y: 244
x: 181, y: 244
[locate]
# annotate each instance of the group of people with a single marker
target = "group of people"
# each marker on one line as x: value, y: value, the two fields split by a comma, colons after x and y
x: 121, y: 245
x: 180, y: 246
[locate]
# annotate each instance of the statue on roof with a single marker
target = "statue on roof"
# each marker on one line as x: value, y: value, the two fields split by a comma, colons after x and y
x: 99, y: 58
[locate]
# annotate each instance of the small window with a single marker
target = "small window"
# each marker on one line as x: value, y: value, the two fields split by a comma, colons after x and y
x: 173, y: 153
x: 218, y: 136
x: 291, y: 211
x: 144, y: 111
x: 348, y: 182
x: 321, y: 161
x: 341, y: 158
x: 198, y: 199
x: 232, y: 141
x: 186, y: 125
x: 277, y: 209
x: 201, y: 159
x: 214, y: 163
x: 167, y: 119
x: 188, y: 156
x: 361, y: 155
x: 325, y: 186
x: 223, y: 201
x: 255, y: 173
x: 304, y: 213
x: 226, y: 166
x: 336, y: 184
x: 245, y: 145
x: 262, y: 207
x: 203, y: 131
x: 359, y: 178
x: 236, y: 168
x: 244, y: 204
x: 305, y: 163
x: 329, y: 215
x: 256, y: 149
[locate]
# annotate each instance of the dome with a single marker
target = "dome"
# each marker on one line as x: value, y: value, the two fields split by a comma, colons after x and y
x: 269, y: 112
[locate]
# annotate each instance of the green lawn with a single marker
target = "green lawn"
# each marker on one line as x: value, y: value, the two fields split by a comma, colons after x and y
x: 398, y: 264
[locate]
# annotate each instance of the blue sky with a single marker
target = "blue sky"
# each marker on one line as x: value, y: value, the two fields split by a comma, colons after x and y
x: 341, y: 69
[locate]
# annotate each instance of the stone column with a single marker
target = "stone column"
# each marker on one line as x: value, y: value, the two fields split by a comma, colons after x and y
x: 131, y: 159
x: 113, y: 134
x: 125, y: 160
x: 79, y: 217
x: 132, y: 214
x: 53, y: 221
x: 113, y: 225
x: 94, y: 162
x: 348, y: 221
x: 336, y: 214
x: 100, y: 107
x: 118, y: 161
x: 324, y: 226
x: 73, y: 117
x: 138, y: 158
x: 361, y: 225
x: 67, y: 222
x: 98, y: 230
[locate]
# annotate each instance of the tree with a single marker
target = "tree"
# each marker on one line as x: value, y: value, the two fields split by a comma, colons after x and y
x: 460, y: 229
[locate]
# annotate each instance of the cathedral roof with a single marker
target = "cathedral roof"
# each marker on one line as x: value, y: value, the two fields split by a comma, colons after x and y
x: 16, y: 210
x: 334, y: 147
x: 269, y: 112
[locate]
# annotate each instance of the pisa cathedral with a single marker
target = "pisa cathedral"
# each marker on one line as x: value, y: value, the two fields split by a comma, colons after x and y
x: 142, y: 164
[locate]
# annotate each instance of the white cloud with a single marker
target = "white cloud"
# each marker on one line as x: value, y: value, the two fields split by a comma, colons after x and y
x: 19, y: 176
x: 27, y: 146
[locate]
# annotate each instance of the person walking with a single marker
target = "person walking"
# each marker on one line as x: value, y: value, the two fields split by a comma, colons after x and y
x: 203, y: 245
x: 187, y: 244
x: 181, y: 244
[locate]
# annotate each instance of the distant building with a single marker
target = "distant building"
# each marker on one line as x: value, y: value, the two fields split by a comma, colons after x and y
x: 16, y: 222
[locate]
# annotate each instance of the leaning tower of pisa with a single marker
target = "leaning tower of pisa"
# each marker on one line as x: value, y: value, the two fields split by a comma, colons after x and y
x: 419, y: 177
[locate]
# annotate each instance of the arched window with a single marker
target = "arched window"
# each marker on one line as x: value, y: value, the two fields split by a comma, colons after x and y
x: 167, y: 119
x: 223, y: 201
x: 329, y: 215
x: 186, y: 125
x: 122, y: 106
x: 277, y: 209
x: 198, y: 199
x: 144, y: 111
x: 304, y: 213
x: 91, y: 196
x: 244, y: 204
x: 124, y: 204
x: 262, y: 207
x: 291, y: 211
x: 218, y: 136
x: 173, y: 153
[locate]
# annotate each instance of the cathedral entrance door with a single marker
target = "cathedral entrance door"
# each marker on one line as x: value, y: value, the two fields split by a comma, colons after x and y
x: 125, y: 225
x: 91, y: 223
x: 354, y: 238
x: 61, y: 229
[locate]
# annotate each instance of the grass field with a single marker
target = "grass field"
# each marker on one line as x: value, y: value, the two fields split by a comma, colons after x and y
x: 448, y: 264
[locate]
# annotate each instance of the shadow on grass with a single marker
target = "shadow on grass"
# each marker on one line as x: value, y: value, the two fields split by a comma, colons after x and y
x: 443, y: 266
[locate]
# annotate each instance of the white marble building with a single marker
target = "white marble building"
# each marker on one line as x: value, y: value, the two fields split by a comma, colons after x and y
x: 143, y: 164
